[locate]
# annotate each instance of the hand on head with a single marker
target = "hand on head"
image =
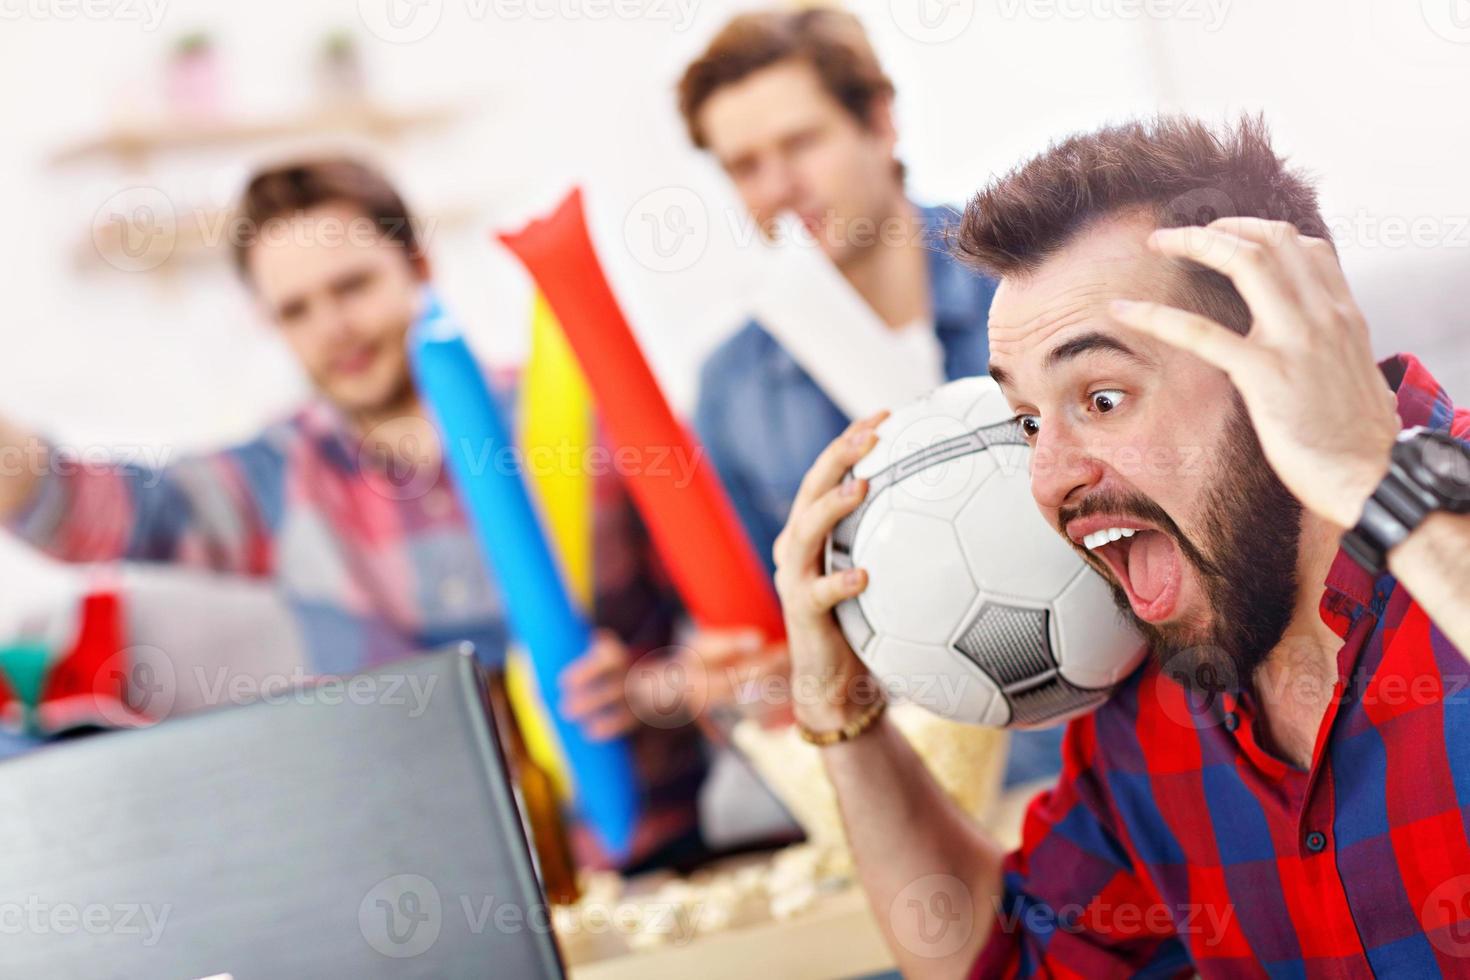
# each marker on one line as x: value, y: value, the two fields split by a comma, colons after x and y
x: 1321, y: 409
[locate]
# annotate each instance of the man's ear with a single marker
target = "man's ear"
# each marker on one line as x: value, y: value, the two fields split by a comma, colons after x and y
x: 263, y: 311
x: 420, y: 265
x: 880, y: 121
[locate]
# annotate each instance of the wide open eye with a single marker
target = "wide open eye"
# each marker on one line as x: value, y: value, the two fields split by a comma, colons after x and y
x: 1030, y: 425
x: 1106, y: 400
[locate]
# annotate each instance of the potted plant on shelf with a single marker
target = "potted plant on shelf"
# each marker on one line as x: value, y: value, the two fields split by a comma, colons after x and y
x: 193, y: 79
x: 340, y: 75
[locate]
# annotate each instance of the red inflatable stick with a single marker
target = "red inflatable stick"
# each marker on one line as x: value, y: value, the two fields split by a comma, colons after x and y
x: 692, y: 522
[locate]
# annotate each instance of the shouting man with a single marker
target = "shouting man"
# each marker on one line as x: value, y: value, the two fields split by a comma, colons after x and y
x: 1281, y: 788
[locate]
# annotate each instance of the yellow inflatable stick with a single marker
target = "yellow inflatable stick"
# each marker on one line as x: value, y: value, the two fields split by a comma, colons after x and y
x: 556, y: 433
x: 531, y: 716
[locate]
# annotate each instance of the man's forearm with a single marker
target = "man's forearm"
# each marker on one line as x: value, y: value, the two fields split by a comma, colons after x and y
x: 931, y: 875
x: 1433, y: 563
x: 19, y: 476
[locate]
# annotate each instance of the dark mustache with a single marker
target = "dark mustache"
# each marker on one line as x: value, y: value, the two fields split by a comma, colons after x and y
x: 1141, y: 508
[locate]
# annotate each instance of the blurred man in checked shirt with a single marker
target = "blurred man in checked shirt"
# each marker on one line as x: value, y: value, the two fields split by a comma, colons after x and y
x: 1282, y: 789
x: 345, y: 504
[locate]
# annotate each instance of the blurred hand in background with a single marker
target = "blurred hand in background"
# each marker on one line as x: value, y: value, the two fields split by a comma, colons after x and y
x: 609, y: 693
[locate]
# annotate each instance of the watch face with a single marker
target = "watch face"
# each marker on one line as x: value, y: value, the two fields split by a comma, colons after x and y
x: 1448, y: 462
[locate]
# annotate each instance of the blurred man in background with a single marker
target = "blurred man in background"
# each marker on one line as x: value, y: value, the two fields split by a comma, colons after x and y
x: 799, y: 113
x: 345, y: 504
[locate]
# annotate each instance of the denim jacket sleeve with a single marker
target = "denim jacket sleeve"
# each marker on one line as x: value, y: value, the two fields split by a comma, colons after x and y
x: 711, y: 417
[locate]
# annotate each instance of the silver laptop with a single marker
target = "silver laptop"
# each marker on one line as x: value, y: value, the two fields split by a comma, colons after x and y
x: 365, y: 828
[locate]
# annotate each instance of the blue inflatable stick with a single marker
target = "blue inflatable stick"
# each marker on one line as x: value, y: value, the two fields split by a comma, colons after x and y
x: 478, y: 449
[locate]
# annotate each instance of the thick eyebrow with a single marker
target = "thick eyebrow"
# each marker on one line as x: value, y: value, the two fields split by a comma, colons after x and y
x: 1087, y: 343
x: 1082, y: 344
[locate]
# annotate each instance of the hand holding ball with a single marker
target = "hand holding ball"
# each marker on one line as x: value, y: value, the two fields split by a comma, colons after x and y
x: 975, y: 608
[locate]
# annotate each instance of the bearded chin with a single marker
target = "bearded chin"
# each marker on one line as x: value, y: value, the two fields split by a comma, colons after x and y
x: 1251, y: 536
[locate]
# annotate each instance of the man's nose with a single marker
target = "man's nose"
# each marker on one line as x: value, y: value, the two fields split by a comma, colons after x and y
x: 337, y: 322
x: 1063, y: 468
x: 778, y: 188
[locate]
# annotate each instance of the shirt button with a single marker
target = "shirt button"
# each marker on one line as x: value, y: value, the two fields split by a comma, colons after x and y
x: 1316, y: 840
x: 1232, y: 721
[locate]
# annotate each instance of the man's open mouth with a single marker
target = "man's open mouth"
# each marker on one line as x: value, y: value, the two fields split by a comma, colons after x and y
x: 1145, y: 561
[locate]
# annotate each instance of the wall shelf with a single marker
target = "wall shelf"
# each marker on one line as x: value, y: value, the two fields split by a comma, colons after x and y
x: 144, y: 242
x: 132, y: 142
x: 139, y: 239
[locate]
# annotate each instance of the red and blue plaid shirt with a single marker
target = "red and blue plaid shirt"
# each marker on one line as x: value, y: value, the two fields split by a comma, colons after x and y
x: 1175, y: 842
x: 374, y: 564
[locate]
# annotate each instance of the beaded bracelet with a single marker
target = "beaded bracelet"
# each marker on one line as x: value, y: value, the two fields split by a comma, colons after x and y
x: 847, y: 732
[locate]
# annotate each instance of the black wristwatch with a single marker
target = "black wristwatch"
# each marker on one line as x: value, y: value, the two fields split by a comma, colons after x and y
x: 1428, y: 471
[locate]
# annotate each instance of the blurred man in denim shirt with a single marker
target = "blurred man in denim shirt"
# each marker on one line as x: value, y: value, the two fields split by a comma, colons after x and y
x: 797, y: 110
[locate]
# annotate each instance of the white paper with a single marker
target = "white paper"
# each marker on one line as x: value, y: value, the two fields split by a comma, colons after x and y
x: 817, y: 316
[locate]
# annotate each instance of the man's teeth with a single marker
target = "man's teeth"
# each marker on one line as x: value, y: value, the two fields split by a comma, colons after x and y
x: 1097, y: 539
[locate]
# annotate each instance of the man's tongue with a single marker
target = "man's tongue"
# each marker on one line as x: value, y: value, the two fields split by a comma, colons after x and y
x: 1152, y: 566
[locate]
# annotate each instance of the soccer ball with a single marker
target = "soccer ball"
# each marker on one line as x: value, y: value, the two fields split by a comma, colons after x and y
x: 975, y: 608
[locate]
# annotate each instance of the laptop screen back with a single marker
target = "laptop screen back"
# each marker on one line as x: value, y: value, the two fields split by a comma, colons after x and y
x: 362, y: 828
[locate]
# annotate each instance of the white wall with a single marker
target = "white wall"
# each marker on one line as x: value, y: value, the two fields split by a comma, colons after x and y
x: 1369, y: 95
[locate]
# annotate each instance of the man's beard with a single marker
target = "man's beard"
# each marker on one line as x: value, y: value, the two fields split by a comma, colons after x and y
x: 1246, y: 560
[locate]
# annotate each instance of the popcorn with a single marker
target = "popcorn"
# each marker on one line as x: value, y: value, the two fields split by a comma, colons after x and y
x: 793, y: 899
x: 967, y: 760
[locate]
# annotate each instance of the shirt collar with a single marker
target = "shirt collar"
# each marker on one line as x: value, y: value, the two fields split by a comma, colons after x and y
x: 953, y: 304
x: 1421, y: 400
x: 332, y: 435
